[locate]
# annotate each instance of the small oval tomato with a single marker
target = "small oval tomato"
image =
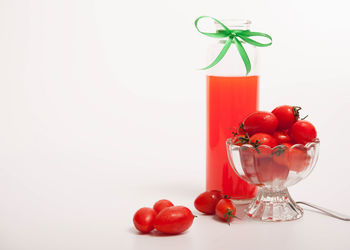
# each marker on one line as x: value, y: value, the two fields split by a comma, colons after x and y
x: 280, y: 154
x: 260, y: 122
x: 295, y: 158
x: 298, y: 159
x: 240, y: 139
x: 263, y: 164
x: 206, y: 202
x: 281, y: 137
x: 173, y: 220
x: 247, y: 160
x: 225, y: 210
x: 286, y: 116
x: 161, y: 204
x: 280, y: 172
x: 303, y: 132
x: 144, y: 219
x: 263, y: 139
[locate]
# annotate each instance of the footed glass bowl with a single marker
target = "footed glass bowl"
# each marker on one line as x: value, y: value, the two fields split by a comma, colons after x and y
x: 273, y: 170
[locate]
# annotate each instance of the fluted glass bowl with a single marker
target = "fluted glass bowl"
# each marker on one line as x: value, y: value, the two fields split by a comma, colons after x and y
x: 273, y: 170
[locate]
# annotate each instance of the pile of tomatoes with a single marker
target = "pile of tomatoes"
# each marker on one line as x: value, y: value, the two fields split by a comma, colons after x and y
x: 214, y: 202
x: 164, y: 217
x: 282, y: 125
x: 274, y: 154
x: 278, y: 130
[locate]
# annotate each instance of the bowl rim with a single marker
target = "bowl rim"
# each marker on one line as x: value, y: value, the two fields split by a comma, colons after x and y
x: 316, y: 141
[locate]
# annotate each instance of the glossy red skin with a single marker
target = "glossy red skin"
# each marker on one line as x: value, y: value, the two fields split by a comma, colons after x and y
x: 247, y: 160
x: 266, y: 169
x: 144, y: 219
x: 283, y: 157
x: 206, y: 202
x: 263, y: 164
x: 221, y: 209
x: 296, y: 159
x: 236, y: 139
x: 303, y: 132
x: 260, y: 122
x: 285, y: 116
x: 161, y: 204
x: 174, y: 220
x: 263, y: 139
x: 281, y: 137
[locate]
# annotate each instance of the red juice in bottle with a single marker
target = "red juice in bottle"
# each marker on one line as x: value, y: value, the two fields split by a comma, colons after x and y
x: 229, y: 100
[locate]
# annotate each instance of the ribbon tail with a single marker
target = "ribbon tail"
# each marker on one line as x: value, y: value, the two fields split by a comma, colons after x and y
x: 243, y: 55
x: 221, y: 54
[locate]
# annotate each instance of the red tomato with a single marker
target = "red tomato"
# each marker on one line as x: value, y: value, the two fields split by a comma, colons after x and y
x: 281, y: 137
x: 161, y: 204
x: 286, y: 116
x: 263, y: 164
x: 280, y: 154
x: 303, y: 132
x: 298, y: 159
x: 260, y: 122
x: 174, y: 220
x: 144, y: 219
x: 280, y: 172
x: 206, y: 202
x: 267, y: 169
x: 225, y: 210
x: 247, y: 160
x: 240, y: 139
x: 263, y: 139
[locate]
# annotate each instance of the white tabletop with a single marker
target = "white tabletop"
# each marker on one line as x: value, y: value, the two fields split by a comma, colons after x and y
x: 80, y: 201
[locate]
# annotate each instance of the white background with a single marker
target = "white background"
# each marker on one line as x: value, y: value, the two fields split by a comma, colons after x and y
x: 103, y: 111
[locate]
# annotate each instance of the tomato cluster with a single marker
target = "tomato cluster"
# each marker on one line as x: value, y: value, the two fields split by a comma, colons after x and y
x: 165, y: 217
x: 214, y: 202
x: 273, y: 136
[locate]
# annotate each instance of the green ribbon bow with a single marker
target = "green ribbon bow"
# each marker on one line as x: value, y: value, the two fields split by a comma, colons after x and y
x: 232, y: 37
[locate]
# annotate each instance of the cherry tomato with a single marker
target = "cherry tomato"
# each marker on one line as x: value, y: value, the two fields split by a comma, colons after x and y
x: 161, y: 204
x: 281, y: 154
x: 225, y: 210
x: 144, y: 219
x: 286, y: 116
x: 263, y: 164
x: 281, y: 137
x: 260, y: 122
x: 173, y: 220
x: 298, y: 159
x: 280, y: 172
x: 263, y: 139
x: 206, y: 202
x: 247, y: 161
x: 303, y: 132
x: 240, y: 139
x: 267, y: 169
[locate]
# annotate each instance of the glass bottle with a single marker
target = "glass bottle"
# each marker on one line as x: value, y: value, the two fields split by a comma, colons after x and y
x: 231, y: 95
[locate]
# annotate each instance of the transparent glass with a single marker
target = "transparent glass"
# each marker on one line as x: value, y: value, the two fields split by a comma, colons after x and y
x: 231, y: 95
x: 273, y: 170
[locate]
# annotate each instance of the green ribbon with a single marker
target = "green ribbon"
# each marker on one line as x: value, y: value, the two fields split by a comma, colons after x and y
x: 232, y: 37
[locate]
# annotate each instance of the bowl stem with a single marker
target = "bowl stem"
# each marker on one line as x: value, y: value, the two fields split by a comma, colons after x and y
x: 271, y: 205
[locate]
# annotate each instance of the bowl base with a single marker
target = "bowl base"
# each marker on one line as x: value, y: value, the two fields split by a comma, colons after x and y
x: 274, y: 206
